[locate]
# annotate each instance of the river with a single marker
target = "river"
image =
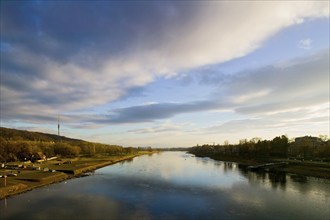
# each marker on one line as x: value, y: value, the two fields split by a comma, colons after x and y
x: 174, y: 185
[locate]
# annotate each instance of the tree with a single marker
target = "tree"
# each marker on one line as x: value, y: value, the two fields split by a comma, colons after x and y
x: 3, y: 152
x: 279, y: 146
x: 25, y: 151
x: 66, y: 150
x: 48, y: 150
x: 263, y: 148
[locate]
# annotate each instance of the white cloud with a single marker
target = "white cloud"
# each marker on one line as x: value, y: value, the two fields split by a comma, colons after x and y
x: 305, y: 44
x: 211, y: 32
x: 223, y: 31
x: 295, y: 122
x: 268, y: 91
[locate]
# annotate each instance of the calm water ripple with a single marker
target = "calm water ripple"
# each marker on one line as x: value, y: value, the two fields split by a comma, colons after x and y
x: 175, y: 185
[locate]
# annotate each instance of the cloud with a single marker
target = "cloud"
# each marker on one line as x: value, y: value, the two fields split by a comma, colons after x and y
x: 305, y: 44
x: 66, y: 57
x: 294, y: 122
x: 298, y: 84
x: 284, y: 87
x: 160, y: 128
x: 151, y: 112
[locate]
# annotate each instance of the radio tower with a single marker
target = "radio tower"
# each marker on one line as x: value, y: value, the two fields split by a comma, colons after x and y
x: 58, y: 128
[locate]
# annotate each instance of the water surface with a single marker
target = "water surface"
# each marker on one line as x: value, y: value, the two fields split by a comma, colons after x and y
x: 175, y: 185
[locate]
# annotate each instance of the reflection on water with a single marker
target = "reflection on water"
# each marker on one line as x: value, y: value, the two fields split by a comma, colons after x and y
x: 298, y: 178
x: 130, y: 160
x: 175, y: 185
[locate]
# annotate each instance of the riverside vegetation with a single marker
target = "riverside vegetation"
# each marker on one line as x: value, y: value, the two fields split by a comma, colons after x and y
x: 306, y: 156
x: 33, y: 159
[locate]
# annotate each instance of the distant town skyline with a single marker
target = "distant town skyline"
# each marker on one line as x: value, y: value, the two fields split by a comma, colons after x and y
x: 166, y: 73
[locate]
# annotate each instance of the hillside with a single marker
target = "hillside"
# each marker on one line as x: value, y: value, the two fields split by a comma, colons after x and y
x: 14, y: 134
x: 20, y: 145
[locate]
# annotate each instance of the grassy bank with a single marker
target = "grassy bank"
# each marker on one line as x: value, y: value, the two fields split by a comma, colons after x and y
x: 53, y: 171
x: 302, y: 168
x: 307, y: 168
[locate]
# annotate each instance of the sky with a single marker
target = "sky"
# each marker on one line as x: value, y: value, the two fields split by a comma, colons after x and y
x: 166, y: 73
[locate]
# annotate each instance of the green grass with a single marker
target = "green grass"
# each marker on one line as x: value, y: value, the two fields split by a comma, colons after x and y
x: 40, y: 176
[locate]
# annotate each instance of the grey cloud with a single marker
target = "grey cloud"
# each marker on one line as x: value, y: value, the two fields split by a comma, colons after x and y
x: 302, y: 83
x: 295, y: 83
x: 35, y: 118
x: 90, y: 33
x: 286, y: 104
x: 147, y: 113
x: 60, y: 30
x: 70, y: 56
x: 299, y: 84
x: 67, y: 46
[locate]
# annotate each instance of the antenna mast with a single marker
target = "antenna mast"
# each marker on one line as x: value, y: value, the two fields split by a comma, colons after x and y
x: 58, y: 127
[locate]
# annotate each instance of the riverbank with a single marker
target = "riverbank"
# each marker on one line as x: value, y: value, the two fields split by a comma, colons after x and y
x: 301, y: 168
x: 20, y: 180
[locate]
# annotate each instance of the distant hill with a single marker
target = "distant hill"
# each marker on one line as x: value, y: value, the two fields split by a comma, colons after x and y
x: 14, y: 134
x: 24, y: 145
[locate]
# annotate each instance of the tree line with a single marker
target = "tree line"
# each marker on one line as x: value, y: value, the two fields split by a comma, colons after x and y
x: 18, y: 145
x: 279, y: 147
